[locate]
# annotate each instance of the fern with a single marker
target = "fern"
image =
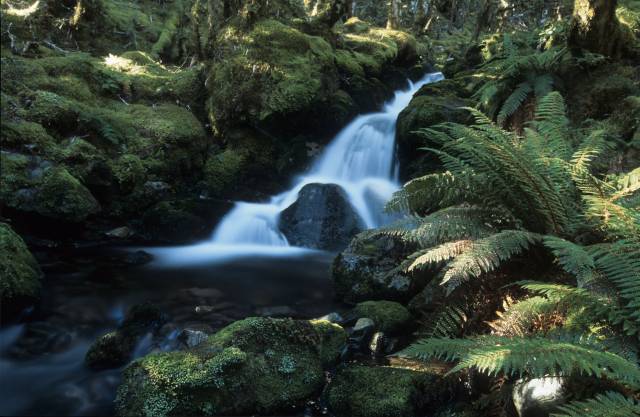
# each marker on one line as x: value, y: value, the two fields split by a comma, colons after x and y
x: 609, y: 404
x: 531, y: 356
x: 486, y: 255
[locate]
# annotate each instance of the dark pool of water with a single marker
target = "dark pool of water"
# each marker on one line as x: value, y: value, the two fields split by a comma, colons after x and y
x: 86, y: 294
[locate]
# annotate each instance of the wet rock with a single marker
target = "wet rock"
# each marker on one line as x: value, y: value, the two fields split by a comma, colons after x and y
x: 40, y: 338
x: 138, y: 257
x: 388, y: 316
x: 539, y: 397
x: 321, y: 218
x: 19, y: 273
x: 256, y: 365
x: 192, y: 338
x: 119, y: 232
x: 276, y: 311
x: 380, y: 391
x: 368, y: 270
x: 116, y: 348
x: 333, y: 318
x: 381, y: 344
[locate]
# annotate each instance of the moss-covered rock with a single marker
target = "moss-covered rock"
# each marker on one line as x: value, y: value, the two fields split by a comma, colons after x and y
x: 368, y: 270
x: 380, y: 391
x: 274, y: 71
x: 256, y: 365
x: 19, y: 271
x: 114, y: 349
x: 34, y: 185
x: 434, y: 103
x: 388, y: 316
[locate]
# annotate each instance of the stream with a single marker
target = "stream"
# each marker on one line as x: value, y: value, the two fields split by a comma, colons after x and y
x: 246, y: 268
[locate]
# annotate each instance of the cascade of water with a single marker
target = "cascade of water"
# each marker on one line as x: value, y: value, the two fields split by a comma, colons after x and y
x: 361, y: 159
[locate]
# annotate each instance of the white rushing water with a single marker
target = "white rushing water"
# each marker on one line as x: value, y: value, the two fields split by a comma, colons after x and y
x: 361, y: 159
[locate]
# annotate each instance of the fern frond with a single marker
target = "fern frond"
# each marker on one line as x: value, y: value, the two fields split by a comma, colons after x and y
x: 531, y: 356
x: 609, y: 404
x: 447, y: 322
x: 487, y: 254
x: 573, y: 258
x: 514, y: 101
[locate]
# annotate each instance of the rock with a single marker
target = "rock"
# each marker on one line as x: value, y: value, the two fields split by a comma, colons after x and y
x: 367, y: 270
x: 380, y: 391
x: 19, y: 273
x: 276, y: 311
x: 388, y: 316
x: 119, y: 232
x: 321, y: 218
x: 377, y: 345
x: 333, y: 318
x: 116, y: 348
x: 433, y: 104
x: 138, y: 257
x: 175, y: 221
x: 364, y: 325
x: 192, y: 338
x: 33, y: 185
x: 428, y: 300
x: 539, y: 397
x: 255, y: 365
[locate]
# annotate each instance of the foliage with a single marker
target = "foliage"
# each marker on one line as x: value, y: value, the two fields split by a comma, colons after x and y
x: 609, y: 404
x: 516, y: 74
x: 528, y: 356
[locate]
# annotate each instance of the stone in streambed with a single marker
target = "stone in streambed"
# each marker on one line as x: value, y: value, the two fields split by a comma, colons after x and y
x: 115, y: 349
x: 255, y: 365
x: 321, y: 218
x: 19, y: 272
x: 388, y: 316
x: 368, y: 270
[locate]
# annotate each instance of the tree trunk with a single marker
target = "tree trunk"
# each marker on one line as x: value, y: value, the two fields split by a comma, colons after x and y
x: 394, y: 12
x: 420, y: 17
x: 594, y: 27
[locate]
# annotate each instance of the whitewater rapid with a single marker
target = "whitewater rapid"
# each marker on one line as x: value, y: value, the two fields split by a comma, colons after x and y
x: 361, y: 159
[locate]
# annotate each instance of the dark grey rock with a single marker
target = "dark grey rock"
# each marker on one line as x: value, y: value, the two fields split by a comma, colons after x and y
x: 321, y: 218
x: 368, y: 270
x: 192, y: 338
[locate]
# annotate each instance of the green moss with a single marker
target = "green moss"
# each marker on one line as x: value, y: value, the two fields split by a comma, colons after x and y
x: 129, y: 172
x: 256, y: 365
x: 27, y: 137
x: 19, y: 271
x: 223, y: 170
x: 377, y: 391
x: 388, y: 316
x: 274, y: 70
x: 374, y: 48
x: 52, y: 110
x: 38, y: 186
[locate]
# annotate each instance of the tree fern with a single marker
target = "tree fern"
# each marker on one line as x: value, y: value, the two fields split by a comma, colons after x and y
x: 609, y: 404
x: 527, y: 356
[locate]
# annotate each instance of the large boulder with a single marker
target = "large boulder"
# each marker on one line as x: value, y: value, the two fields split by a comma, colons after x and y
x: 368, y: 270
x: 382, y: 391
x: 321, y: 218
x: 19, y: 272
x: 256, y: 365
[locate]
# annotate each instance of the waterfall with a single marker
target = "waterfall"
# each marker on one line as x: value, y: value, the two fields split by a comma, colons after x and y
x: 361, y: 159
